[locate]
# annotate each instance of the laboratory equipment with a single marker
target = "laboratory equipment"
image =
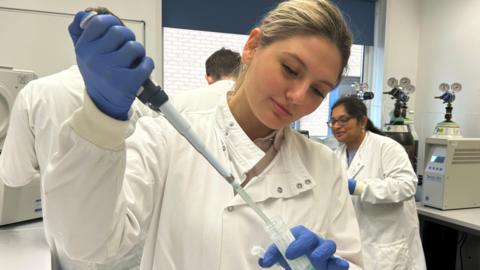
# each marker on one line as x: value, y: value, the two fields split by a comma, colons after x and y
x: 16, y: 203
x: 11, y: 81
x: 400, y: 128
x: 154, y: 97
x: 400, y: 93
x: 450, y: 180
x: 448, y: 128
x: 361, y: 91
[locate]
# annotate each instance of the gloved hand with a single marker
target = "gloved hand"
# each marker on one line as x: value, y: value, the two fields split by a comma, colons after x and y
x: 113, y: 65
x: 319, y: 251
x: 74, y: 28
x: 352, y: 183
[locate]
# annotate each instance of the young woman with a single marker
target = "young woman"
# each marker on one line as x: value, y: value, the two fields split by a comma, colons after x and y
x: 104, y: 194
x: 383, y: 184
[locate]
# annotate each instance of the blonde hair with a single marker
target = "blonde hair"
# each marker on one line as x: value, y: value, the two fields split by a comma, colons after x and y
x: 305, y: 17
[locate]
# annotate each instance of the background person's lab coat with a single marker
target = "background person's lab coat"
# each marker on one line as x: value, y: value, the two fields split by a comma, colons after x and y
x: 386, y: 210
x: 38, y: 112
x: 203, y: 98
x: 188, y: 212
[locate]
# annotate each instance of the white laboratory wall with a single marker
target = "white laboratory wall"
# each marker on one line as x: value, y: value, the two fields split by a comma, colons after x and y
x: 148, y: 11
x: 402, y: 37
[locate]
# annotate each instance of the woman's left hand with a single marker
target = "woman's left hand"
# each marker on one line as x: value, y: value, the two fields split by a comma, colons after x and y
x: 319, y: 251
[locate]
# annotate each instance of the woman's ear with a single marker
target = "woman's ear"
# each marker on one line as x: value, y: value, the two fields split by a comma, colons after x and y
x: 252, y: 43
x: 364, y: 122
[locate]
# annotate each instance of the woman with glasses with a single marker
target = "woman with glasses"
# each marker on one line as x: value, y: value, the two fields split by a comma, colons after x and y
x: 383, y: 183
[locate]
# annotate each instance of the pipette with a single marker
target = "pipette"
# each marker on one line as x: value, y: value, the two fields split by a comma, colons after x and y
x: 154, y: 97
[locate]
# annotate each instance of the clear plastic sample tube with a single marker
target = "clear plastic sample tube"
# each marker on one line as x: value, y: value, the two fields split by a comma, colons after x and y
x: 282, y: 237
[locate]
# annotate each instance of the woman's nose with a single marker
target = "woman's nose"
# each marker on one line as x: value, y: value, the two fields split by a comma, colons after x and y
x: 335, y: 127
x: 297, y: 94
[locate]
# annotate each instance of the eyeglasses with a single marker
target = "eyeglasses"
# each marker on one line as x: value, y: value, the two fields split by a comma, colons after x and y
x: 341, y: 121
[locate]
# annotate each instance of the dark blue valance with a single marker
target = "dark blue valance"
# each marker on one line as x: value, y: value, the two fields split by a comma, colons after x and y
x: 239, y: 16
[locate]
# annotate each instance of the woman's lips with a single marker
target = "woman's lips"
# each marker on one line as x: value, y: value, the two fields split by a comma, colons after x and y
x: 339, y: 134
x: 281, y: 110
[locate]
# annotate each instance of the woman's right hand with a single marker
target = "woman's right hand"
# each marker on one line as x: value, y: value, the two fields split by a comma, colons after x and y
x: 112, y: 63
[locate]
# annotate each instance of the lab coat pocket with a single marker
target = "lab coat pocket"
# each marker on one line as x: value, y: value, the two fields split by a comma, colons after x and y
x: 391, y: 256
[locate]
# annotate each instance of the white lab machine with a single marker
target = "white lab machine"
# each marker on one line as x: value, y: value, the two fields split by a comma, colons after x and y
x: 20, y: 203
x: 451, y: 179
x: 11, y: 82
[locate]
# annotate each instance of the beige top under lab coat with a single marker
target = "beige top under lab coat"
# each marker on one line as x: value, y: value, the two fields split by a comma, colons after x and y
x: 386, y: 209
x: 158, y: 187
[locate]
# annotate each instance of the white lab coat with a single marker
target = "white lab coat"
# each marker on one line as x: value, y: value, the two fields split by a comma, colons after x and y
x: 186, y: 210
x: 386, y: 210
x: 203, y: 98
x: 38, y: 112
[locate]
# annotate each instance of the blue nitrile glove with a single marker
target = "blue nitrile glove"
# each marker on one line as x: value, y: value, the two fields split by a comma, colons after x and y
x: 74, y: 28
x: 112, y: 63
x: 319, y: 251
x: 352, y: 183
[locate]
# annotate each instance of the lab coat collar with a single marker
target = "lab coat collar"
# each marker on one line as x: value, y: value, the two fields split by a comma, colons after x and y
x: 245, y: 153
x: 355, y: 168
x: 291, y: 157
x: 285, y: 177
x: 357, y: 162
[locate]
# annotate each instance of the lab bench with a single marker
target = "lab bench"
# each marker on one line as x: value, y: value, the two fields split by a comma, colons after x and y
x: 441, y: 231
x: 24, y: 247
x: 467, y: 220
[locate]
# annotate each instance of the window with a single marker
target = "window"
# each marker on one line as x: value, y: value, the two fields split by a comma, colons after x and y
x: 185, y: 53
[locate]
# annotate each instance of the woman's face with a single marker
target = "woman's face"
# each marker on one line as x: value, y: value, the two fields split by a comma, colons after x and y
x: 289, y: 78
x: 345, y: 127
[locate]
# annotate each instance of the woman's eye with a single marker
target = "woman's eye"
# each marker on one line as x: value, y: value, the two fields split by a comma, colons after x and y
x: 289, y: 70
x: 317, y: 92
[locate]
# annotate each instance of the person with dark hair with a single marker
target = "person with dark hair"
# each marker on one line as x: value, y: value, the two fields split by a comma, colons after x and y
x: 155, y: 186
x: 223, y: 64
x: 382, y: 183
x: 222, y: 68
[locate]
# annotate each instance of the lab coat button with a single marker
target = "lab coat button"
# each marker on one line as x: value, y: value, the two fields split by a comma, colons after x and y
x: 279, y: 189
x: 230, y: 209
x: 226, y: 133
x: 231, y: 124
x: 224, y: 148
x: 308, y: 181
x: 299, y: 185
